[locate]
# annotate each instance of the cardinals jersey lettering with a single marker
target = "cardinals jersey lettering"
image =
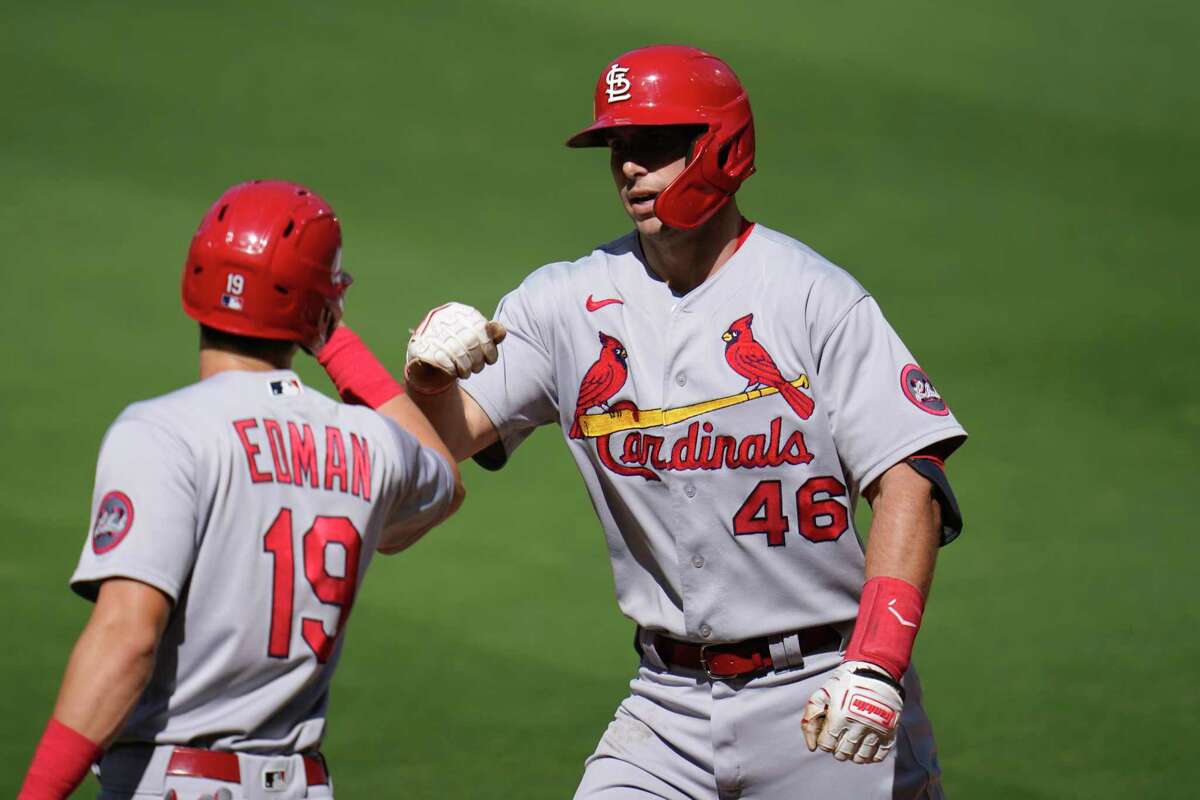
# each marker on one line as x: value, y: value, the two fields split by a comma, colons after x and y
x: 255, y: 505
x: 724, y: 435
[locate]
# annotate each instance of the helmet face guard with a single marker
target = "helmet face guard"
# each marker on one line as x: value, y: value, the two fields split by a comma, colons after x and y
x: 266, y: 262
x: 676, y: 85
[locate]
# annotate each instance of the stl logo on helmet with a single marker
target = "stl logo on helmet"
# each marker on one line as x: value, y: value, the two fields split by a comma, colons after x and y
x: 618, y: 84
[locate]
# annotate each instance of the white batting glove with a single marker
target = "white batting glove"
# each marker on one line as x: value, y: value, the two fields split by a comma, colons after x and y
x: 854, y: 714
x: 453, y: 341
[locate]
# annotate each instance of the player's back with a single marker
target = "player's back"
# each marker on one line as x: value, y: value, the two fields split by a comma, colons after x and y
x: 256, y: 505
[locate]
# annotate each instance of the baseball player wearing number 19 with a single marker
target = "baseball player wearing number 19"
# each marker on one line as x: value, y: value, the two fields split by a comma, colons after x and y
x: 728, y: 395
x: 233, y: 522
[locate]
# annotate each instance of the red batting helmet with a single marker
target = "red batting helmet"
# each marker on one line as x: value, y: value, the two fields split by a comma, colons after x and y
x: 676, y: 85
x: 265, y: 262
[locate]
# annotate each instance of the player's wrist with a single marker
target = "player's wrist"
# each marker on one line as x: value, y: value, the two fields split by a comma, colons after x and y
x: 869, y: 669
x: 426, y: 380
x: 889, y: 616
x: 360, y: 378
x: 61, y: 761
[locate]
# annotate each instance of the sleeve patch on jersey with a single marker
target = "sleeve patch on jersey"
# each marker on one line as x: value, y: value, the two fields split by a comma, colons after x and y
x: 920, y: 392
x: 113, y: 521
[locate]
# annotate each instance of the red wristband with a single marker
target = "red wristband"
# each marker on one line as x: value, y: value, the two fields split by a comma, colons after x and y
x: 61, y: 761
x: 355, y: 371
x: 889, y: 616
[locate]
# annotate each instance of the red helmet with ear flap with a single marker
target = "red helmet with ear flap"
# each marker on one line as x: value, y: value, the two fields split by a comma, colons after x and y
x: 266, y: 262
x: 677, y: 85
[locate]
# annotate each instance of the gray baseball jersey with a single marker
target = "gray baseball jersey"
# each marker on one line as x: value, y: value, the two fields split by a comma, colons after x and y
x: 255, y: 504
x: 724, y: 435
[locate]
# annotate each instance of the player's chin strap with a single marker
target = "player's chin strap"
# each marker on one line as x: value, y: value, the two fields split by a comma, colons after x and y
x: 889, y: 616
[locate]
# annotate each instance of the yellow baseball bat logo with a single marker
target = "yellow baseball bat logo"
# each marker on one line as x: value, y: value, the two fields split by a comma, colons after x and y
x: 606, y: 423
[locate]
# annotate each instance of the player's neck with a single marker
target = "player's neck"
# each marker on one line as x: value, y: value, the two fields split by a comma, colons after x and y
x: 215, y: 360
x: 686, y: 259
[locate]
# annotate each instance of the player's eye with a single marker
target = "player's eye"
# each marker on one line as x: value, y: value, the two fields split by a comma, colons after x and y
x: 653, y: 143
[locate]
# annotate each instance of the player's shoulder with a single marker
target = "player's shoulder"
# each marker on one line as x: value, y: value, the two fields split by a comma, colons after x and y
x: 168, y: 420
x: 796, y: 272
x: 173, y: 411
x: 367, y: 420
x: 787, y: 254
x: 565, y: 275
x: 193, y: 411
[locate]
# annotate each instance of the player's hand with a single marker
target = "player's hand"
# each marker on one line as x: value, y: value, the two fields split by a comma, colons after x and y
x: 453, y: 341
x: 854, y: 714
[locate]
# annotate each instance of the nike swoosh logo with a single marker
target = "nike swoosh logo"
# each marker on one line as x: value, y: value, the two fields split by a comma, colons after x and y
x: 896, y: 614
x: 596, y: 305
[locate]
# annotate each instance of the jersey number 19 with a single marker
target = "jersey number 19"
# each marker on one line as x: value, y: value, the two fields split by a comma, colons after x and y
x: 331, y: 589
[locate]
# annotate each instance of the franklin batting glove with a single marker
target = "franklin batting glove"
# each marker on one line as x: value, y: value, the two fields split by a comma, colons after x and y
x: 854, y: 715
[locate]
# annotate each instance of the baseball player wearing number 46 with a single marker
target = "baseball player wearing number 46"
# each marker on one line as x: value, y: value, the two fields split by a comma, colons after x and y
x: 728, y: 395
x: 232, y: 523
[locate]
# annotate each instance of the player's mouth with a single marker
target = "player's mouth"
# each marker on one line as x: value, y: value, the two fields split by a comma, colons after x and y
x: 642, y: 202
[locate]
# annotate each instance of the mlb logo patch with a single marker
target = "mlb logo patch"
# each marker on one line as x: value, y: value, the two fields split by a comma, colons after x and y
x: 232, y: 302
x: 289, y: 387
x: 275, y: 780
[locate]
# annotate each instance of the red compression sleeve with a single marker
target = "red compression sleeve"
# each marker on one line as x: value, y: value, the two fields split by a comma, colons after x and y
x: 60, y: 763
x: 355, y: 371
x: 889, y: 616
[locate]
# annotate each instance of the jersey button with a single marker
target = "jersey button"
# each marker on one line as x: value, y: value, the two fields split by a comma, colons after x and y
x: 698, y: 561
x: 689, y: 490
x: 705, y: 631
x: 681, y: 379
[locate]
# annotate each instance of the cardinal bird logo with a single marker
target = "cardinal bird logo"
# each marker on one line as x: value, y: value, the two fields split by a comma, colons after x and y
x: 602, y: 380
x: 751, y: 360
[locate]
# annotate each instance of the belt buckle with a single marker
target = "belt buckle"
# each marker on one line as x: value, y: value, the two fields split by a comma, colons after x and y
x: 704, y: 664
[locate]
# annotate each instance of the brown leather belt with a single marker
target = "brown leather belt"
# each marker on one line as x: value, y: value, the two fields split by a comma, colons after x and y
x: 739, y: 659
x: 219, y: 765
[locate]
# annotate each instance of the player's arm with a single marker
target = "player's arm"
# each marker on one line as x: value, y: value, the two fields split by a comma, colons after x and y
x: 906, y: 524
x: 409, y: 415
x: 405, y: 531
x: 108, y: 670
x: 480, y: 411
x: 361, y: 379
x: 462, y: 424
x: 885, y: 405
x: 854, y: 715
x: 454, y: 341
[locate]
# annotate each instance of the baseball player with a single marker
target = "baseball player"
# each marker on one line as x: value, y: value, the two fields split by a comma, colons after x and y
x: 232, y: 523
x: 728, y: 395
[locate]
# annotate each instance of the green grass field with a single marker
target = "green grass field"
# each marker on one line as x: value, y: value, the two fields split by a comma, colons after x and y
x: 1015, y: 181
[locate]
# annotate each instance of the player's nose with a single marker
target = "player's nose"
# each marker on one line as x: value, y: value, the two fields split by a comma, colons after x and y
x: 632, y: 169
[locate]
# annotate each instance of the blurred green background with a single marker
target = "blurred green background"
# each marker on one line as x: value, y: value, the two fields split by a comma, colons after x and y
x: 1015, y: 181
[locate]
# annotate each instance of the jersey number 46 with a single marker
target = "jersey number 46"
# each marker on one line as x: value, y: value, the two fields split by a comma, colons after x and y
x: 334, y: 590
x: 822, y: 518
